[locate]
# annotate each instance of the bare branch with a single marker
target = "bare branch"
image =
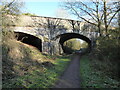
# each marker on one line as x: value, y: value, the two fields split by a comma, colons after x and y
x: 83, y: 18
x: 8, y: 5
x: 113, y: 16
x: 79, y: 15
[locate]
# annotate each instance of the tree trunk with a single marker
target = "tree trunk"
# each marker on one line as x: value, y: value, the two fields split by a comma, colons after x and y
x: 105, y: 18
x: 99, y: 28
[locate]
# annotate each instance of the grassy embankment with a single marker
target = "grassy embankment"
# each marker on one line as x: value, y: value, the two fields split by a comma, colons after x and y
x: 94, y: 77
x: 25, y: 67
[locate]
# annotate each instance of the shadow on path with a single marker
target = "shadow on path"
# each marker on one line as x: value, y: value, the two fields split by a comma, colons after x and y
x: 70, y: 78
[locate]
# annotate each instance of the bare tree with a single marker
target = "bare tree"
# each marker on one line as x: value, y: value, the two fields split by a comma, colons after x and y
x: 9, y: 8
x: 110, y: 10
x: 118, y: 7
x: 96, y: 12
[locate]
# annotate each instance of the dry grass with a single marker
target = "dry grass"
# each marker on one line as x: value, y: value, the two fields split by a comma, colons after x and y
x: 19, y: 58
x: 25, y: 66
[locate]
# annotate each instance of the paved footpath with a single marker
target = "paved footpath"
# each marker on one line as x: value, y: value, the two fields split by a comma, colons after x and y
x: 70, y: 78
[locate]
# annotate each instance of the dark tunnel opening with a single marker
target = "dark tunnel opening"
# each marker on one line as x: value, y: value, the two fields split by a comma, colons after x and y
x: 29, y: 39
x: 68, y: 36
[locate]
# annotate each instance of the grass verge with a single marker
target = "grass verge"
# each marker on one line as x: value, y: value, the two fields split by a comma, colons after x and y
x: 94, y: 78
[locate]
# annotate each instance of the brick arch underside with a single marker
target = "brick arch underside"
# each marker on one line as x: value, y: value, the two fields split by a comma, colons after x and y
x: 67, y: 36
x: 30, y: 40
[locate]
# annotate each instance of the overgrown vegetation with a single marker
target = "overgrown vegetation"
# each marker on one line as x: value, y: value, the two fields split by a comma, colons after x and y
x: 101, y: 68
x: 94, y: 77
x: 25, y: 67
x: 107, y: 51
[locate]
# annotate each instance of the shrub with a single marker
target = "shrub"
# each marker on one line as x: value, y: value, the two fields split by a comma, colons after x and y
x: 107, y: 52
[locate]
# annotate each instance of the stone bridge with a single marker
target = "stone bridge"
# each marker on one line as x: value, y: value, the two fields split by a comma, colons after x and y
x: 48, y: 34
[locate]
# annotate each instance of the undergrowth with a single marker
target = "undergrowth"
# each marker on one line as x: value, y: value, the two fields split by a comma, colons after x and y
x: 92, y: 77
x: 24, y: 66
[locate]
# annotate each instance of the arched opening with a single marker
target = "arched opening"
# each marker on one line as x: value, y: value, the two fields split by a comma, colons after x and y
x: 74, y: 44
x: 30, y: 40
x: 68, y: 36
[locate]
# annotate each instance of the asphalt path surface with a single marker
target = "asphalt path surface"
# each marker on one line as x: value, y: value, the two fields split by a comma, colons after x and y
x: 71, y: 76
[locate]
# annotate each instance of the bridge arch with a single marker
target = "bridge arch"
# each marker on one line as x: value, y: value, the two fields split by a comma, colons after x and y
x: 66, y: 36
x: 30, y: 39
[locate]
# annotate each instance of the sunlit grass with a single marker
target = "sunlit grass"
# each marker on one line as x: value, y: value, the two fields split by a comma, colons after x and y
x: 42, y: 79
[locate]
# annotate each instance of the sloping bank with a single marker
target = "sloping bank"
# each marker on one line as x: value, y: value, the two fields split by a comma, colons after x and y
x: 93, y: 77
x: 25, y: 67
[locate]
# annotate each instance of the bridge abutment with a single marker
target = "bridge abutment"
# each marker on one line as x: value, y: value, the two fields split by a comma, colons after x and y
x: 52, y: 47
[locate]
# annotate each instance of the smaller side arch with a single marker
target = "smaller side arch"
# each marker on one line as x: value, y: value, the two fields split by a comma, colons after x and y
x: 29, y: 39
